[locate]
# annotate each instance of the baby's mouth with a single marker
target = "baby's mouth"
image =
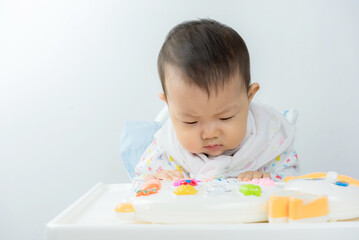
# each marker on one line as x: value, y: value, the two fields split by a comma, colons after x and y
x: 213, y: 147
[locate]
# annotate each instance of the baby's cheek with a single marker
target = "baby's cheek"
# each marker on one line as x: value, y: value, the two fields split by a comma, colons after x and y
x: 190, y: 142
x: 235, y: 137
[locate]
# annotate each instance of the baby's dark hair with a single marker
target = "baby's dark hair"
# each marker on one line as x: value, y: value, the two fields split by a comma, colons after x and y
x: 207, y: 52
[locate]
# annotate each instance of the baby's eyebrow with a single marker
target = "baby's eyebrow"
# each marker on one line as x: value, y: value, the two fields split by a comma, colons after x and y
x: 228, y: 109
x: 185, y: 114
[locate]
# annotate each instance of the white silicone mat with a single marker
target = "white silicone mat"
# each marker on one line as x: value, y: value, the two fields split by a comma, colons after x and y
x: 93, y: 217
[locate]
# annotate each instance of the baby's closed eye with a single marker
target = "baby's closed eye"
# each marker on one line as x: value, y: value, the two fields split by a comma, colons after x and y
x: 191, y: 123
x: 224, y: 119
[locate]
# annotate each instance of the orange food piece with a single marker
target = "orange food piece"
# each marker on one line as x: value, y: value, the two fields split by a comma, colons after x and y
x: 149, y: 187
x: 124, y: 208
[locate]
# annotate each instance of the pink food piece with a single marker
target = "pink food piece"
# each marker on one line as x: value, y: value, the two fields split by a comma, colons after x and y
x: 177, y: 183
x: 262, y: 182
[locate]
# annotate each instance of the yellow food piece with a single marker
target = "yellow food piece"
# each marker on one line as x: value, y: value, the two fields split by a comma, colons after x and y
x: 185, y: 190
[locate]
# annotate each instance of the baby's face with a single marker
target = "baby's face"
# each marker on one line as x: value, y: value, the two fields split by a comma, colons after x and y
x: 209, y: 125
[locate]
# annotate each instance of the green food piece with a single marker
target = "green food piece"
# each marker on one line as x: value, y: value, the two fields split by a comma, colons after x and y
x: 250, y: 189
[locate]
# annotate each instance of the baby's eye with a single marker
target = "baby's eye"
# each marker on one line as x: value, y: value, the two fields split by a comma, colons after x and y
x: 226, y: 118
x: 190, y: 123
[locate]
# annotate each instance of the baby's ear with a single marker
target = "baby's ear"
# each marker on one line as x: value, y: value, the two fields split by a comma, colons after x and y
x: 252, y: 90
x: 162, y: 97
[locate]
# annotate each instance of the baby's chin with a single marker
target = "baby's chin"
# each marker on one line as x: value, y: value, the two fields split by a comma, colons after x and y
x: 209, y: 154
x: 218, y: 152
x: 214, y: 153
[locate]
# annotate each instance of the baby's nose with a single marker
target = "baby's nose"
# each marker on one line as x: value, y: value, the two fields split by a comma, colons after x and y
x: 210, y: 131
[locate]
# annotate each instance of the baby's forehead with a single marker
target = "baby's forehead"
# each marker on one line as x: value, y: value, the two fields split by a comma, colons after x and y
x: 212, y: 85
x: 231, y: 88
x: 187, y: 100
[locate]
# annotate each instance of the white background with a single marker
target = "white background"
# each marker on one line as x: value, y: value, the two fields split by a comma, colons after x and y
x: 72, y: 72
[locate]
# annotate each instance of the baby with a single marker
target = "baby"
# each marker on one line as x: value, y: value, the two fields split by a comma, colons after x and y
x: 214, y: 129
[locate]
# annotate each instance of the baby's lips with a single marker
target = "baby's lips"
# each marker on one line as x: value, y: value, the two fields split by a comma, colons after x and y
x: 213, y: 147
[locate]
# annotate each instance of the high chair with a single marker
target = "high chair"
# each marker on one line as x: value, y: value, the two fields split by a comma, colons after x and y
x: 136, y: 137
x: 93, y: 216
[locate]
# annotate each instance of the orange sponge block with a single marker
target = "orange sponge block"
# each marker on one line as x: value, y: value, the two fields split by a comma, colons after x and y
x: 292, y: 206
